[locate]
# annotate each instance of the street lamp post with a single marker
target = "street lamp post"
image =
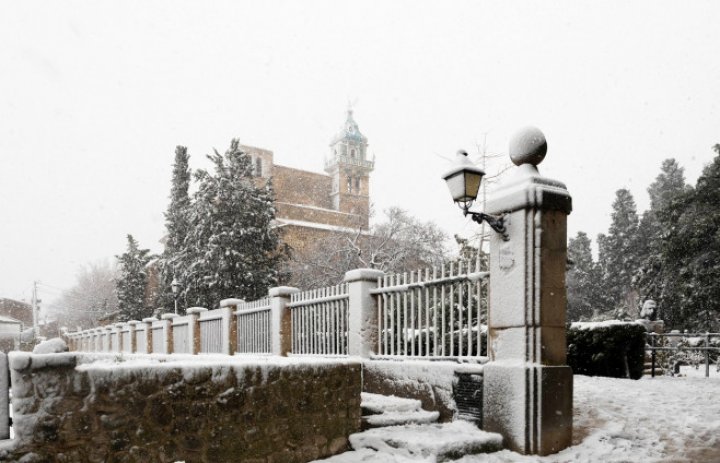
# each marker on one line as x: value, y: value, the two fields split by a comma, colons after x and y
x: 175, y: 286
x: 527, y: 385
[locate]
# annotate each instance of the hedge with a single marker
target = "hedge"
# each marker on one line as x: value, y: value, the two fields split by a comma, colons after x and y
x: 615, y: 349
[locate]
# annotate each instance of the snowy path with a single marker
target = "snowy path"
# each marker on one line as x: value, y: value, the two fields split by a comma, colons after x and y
x: 650, y: 420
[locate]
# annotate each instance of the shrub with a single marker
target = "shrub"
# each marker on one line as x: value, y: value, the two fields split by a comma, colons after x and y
x: 615, y: 349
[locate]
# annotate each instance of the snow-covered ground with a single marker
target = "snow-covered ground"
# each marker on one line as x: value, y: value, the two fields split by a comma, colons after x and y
x: 615, y: 420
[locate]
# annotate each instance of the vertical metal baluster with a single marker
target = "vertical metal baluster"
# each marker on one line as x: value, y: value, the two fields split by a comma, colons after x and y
x: 427, y: 313
x: 461, y: 304
x: 442, y: 312
x: 411, y: 294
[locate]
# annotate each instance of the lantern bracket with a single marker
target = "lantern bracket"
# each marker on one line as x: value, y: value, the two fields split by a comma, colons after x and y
x: 496, y: 222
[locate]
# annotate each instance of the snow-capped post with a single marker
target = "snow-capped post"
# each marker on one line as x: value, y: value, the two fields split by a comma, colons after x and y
x: 194, y: 328
x: 132, y: 324
x: 280, y: 320
x: 148, y: 333
x: 232, y: 305
x: 167, y: 330
x: 528, y: 386
x: 362, y: 311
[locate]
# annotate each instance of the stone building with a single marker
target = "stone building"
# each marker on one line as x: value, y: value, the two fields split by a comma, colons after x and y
x: 312, y: 205
x: 21, y: 311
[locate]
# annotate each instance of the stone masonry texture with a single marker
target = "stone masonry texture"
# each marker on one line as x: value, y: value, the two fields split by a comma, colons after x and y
x: 67, y: 410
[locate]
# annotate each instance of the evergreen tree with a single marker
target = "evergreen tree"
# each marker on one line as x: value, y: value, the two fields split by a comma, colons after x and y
x: 691, y: 253
x: 177, y: 225
x: 618, y: 255
x: 652, y: 279
x: 584, y: 295
x: 132, y: 282
x: 231, y: 247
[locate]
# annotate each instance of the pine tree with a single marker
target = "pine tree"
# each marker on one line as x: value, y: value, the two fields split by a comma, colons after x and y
x: 584, y: 292
x: 132, y: 282
x: 176, y: 223
x: 231, y: 247
x: 618, y: 256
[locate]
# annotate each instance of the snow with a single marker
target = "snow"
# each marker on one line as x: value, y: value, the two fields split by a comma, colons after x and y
x: 597, y: 325
x: 661, y: 419
x: 51, y: 346
x: 428, y: 443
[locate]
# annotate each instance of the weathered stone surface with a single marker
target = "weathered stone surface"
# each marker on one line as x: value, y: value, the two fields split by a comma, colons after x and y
x: 221, y: 413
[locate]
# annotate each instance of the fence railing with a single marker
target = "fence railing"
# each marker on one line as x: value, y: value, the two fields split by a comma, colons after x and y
x: 670, y: 350
x: 436, y: 312
x: 253, y: 327
x: 320, y: 321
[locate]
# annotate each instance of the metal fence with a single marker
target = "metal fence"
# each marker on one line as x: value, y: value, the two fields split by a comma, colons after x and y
x: 181, y: 335
x: 436, y: 312
x: 214, y: 331
x: 320, y: 321
x: 253, y: 327
x: 670, y: 350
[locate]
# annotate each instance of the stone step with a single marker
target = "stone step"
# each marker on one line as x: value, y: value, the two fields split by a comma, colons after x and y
x: 373, y: 404
x: 427, y: 442
x: 399, y: 418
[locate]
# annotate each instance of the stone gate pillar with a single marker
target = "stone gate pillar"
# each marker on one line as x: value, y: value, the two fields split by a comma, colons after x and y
x: 527, y: 384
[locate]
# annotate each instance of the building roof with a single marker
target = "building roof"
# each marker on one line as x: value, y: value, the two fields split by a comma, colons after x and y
x: 6, y: 319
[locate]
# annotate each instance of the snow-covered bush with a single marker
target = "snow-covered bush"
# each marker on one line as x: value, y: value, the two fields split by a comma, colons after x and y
x: 51, y: 346
x: 612, y: 348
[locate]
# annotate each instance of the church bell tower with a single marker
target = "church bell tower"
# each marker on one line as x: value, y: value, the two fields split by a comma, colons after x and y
x: 350, y: 169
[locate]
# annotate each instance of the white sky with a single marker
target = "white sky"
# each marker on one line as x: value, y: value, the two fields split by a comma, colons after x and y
x: 94, y: 96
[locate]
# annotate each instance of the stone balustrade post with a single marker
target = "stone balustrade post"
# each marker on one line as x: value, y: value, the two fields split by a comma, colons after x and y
x: 148, y: 321
x: 194, y: 328
x: 132, y: 326
x: 107, y: 336
x: 362, y: 311
x: 280, y: 320
x: 166, y: 318
x: 232, y: 305
x: 527, y: 385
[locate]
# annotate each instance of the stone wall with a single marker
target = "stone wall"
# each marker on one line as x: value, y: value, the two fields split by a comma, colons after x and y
x: 297, y: 186
x: 106, y: 408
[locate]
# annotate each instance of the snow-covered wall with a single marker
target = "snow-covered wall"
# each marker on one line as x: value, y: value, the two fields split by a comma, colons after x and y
x: 80, y: 407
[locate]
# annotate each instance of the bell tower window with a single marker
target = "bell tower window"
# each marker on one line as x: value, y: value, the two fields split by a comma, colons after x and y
x: 352, y: 153
x: 258, y: 167
x: 357, y: 184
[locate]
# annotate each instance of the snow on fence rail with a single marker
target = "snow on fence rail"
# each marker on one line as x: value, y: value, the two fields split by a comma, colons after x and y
x: 253, y: 327
x: 438, y: 312
x: 319, y: 319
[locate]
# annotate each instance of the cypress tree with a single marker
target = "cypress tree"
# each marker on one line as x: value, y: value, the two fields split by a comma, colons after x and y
x: 177, y: 224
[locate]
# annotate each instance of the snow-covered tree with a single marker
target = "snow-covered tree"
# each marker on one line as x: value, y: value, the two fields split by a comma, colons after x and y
x: 584, y: 291
x: 92, y: 297
x: 132, y: 282
x: 399, y: 243
x: 691, y: 254
x: 653, y: 278
x: 618, y: 256
x: 231, y: 248
x: 177, y: 226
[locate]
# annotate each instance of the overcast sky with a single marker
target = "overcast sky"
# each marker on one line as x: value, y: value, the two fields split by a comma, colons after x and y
x: 94, y: 97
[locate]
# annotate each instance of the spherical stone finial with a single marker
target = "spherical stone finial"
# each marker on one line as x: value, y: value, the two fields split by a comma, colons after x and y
x: 528, y: 146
